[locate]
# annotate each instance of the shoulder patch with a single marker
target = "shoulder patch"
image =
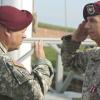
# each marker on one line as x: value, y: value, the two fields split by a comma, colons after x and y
x: 20, y: 74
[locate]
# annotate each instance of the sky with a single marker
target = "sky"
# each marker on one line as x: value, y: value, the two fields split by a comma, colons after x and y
x: 67, y: 13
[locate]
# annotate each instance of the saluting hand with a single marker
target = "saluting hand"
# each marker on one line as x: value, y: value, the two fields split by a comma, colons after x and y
x: 81, y: 33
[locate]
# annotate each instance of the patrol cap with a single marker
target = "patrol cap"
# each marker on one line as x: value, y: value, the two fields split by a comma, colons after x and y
x: 14, y: 19
x: 91, y: 9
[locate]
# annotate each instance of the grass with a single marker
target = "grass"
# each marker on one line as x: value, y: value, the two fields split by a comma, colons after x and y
x: 51, y: 55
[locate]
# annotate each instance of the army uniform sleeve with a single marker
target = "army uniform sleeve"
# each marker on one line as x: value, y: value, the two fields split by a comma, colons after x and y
x: 73, y: 59
x: 19, y: 84
x: 43, y: 71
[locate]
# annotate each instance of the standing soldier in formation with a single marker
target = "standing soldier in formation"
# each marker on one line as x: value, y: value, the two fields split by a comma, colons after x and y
x: 89, y: 61
x: 16, y: 83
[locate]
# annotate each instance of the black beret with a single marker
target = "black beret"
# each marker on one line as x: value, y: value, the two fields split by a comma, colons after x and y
x: 91, y: 9
x: 14, y: 19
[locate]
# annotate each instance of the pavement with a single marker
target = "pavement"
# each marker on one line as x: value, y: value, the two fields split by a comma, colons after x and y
x: 55, y: 96
x: 62, y: 96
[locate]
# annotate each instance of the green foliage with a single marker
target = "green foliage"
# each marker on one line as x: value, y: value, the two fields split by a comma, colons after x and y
x: 55, y: 27
x: 51, y: 55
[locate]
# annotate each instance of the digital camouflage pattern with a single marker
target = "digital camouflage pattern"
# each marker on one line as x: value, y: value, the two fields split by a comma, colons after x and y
x: 87, y: 62
x: 17, y: 83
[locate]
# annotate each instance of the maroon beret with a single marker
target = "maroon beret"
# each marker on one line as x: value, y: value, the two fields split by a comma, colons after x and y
x: 91, y: 9
x: 14, y: 19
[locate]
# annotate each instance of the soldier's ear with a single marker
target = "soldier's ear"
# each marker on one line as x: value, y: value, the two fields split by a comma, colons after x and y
x: 7, y: 33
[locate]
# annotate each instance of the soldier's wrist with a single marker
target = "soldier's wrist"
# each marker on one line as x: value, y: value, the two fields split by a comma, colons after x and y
x: 75, y: 39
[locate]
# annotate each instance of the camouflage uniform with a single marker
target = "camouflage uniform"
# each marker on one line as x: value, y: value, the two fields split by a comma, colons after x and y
x: 16, y: 82
x: 87, y: 62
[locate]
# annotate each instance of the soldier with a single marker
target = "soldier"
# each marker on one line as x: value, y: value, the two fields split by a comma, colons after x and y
x: 88, y: 61
x: 16, y: 83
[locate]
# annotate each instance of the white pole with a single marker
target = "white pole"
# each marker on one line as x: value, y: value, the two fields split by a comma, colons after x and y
x: 26, y: 47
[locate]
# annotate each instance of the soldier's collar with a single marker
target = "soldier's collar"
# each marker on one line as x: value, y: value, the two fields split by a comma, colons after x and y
x: 3, y: 48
